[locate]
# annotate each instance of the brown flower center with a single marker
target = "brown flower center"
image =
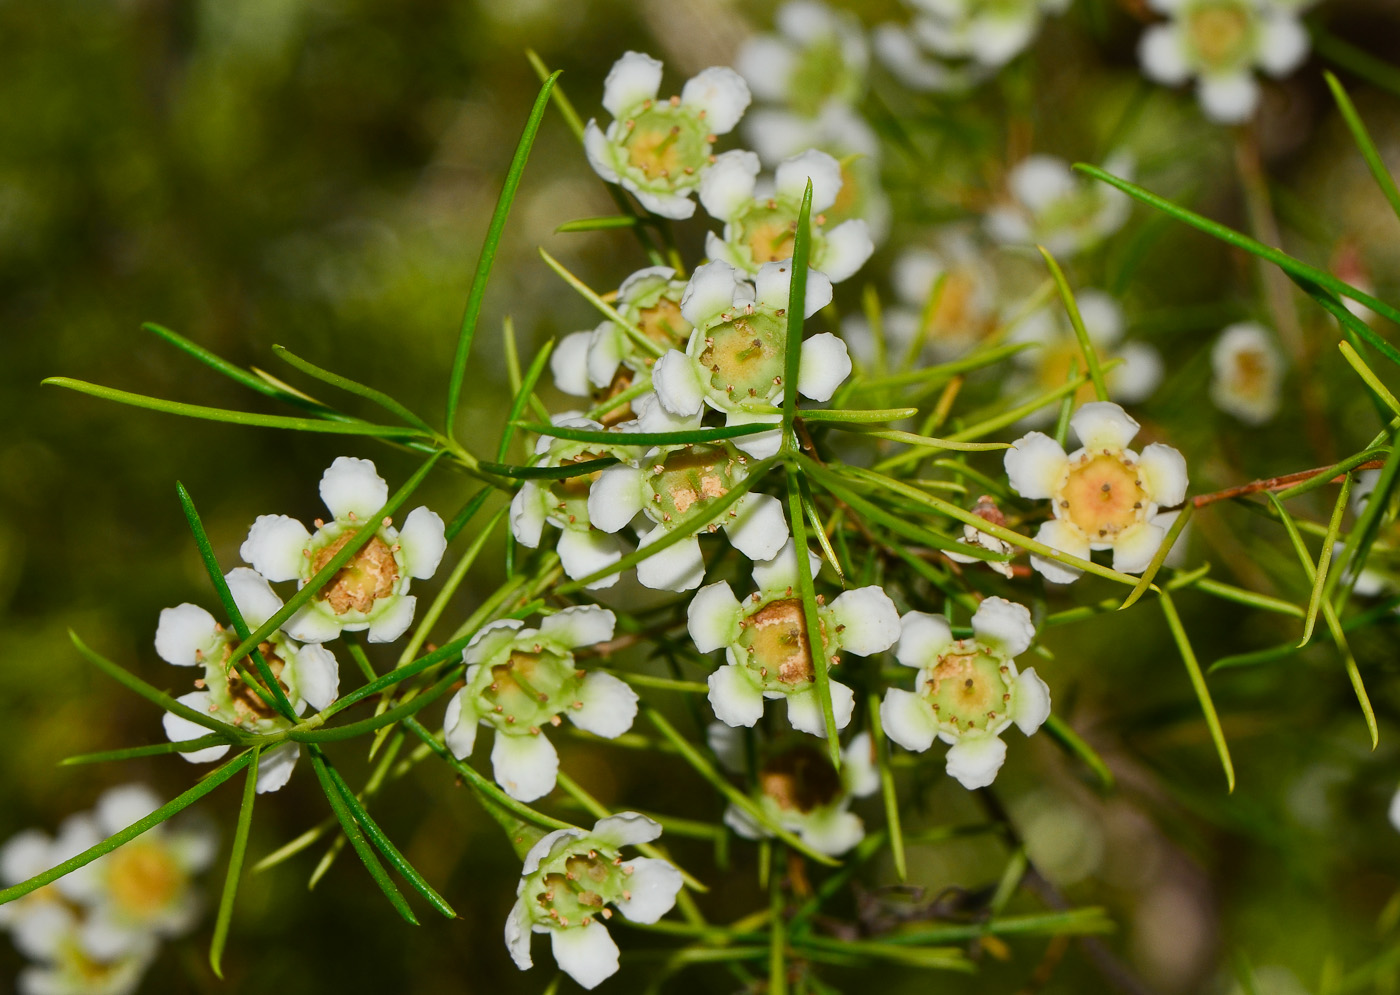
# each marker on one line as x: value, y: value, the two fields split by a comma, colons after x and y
x: 143, y: 878
x: 800, y: 780
x: 1220, y: 32
x: 776, y: 638
x: 368, y: 576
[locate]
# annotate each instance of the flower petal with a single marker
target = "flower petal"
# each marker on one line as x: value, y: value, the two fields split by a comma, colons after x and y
x: 352, y: 486
x: 677, y: 384
x: 615, y: 497
x: 848, y: 248
x: 1030, y: 701
x: 1038, y: 181
x: 119, y: 807
x: 1283, y: 43
x: 1103, y: 425
x: 678, y: 567
x: 790, y: 178
x: 609, y: 706
x: 735, y: 699
x: 975, y: 760
x: 675, y: 206
x: 275, y: 547
x: 713, y: 617
x: 632, y: 80
x: 1034, y: 465
x: 527, y: 514
x: 585, y: 953
x: 626, y: 829
x: 253, y: 595
x: 1228, y: 99
x: 867, y: 620
x: 393, y: 621
x: 491, y: 639
x: 1067, y: 539
x: 311, y: 625
x: 860, y: 774
x: 586, y: 551
x: 184, y: 631
x: 780, y: 572
x: 760, y: 445
x: 1164, y: 472
x: 459, y: 725
x: 179, y: 729
x: 653, y: 885
x: 1135, y: 546
x: 518, y: 934
x: 599, y: 152
x: 1163, y: 55
x: 275, y: 767
x: 1004, y: 625
x: 908, y: 720
x: 711, y: 289
x: 760, y: 528
x: 833, y: 833
x: 804, y: 709
x: 773, y: 287
x: 824, y: 365
x: 728, y: 184
x: 1139, y: 375
x: 721, y: 96
x: 579, y: 625
x: 526, y: 766
x: 922, y: 639
x: 569, y: 364
x: 767, y: 64
x: 317, y: 675
x: 422, y: 541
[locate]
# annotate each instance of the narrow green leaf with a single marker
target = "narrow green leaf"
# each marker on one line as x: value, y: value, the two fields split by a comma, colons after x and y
x: 808, y: 594
x: 1086, y: 347
x: 468, y: 512
x: 608, y: 223
x: 887, y: 789
x: 1198, y: 683
x: 945, y: 371
x: 814, y: 519
x: 777, y: 925
x: 924, y: 441
x: 1376, y: 71
x: 1368, y: 375
x: 352, y: 387
x: 564, y: 472
x: 1369, y: 152
x: 1355, y: 329
x: 638, y: 337
x: 1324, y: 560
x: 615, y: 438
x: 1072, y: 743
x: 522, y: 397
x: 234, y: 372
x: 856, y: 416
x: 154, y: 750
x: 235, y: 868
x: 489, y: 246
x: 1158, y: 558
x: 796, y: 312
x: 332, y: 734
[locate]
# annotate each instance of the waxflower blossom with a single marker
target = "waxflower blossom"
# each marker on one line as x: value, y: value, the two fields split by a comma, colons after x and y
x: 799, y: 790
x: 610, y: 360
x: 968, y: 691
x: 1104, y: 495
x: 582, y: 548
x: 761, y: 224
x: 948, y: 294
x: 1048, y: 205
x: 1047, y: 366
x: 371, y: 591
x: 956, y: 44
x: 1248, y: 373
x: 571, y: 876
x: 521, y: 681
x: 986, y: 509
x: 670, y: 485
x: 734, y: 361
x: 188, y: 636
x: 1221, y: 43
x: 660, y: 149
x: 818, y: 57
x: 766, y: 644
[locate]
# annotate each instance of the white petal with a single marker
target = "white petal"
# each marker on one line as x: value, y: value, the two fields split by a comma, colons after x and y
x: 713, y: 617
x: 859, y: 772
x: 1164, y: 472
x: 720, y: 94
x: 275, y: 767
x: 728, y: 184
x: 743, y: 824
x: 869, y: 619
x: 459, y: 725
x: 183, y: 630
x: 609, y: 706
x: 311, y: 625
x: 759, y: 445
x: 24, y: 855
x: 253, y: 595
x: 582, y: 552
x: 1067, y: 539
x: 317, y: 675
x: 632, y: 80
x: 678, y: 567
x: 579, y: 625
x: 599, y: 151
x: 1163, y: 55
x: 569, y: 364
x: 653, y: 885
x: 1038, y: 181
x: 675, y: 206
x: 615, y: 497
x: 823, y: 366
x: 804, y: 709
x: 352, y: 485
x: 394, y: 621
x: 1394, y: 812
x: 773, y: 286
x: 491, y: 639
x: 777, y: 133
x: 848, y: 248
x: 1228, y: 99
x: 527, y: 514
x: 923, y: 639
x: 1034, y: 465
x: 1139, y: 375
x: 518, y: 935
x: 766, y: 63
x: 525, y: 766
x: 1004, y: 625
x: 760, y: 528
x: 121, y: 806
x: 1103, y: 318
x: 626, y: 829
x: 547, y: 845
x: 975, y: 760
x: 780, y: 571
x: 179, y: 729
x: 607, y: 345
x: 585, y: 953
x: 833, y: 833
x: 1135, y: 546
x: 677, y: 384
x: 711, y: 289
x: 908, y: 720
x: 1283, y: 44
x: 1030, y: 701
x: 1103, y: 425
x: 735, y: 699
x: 652, y: 416
x: 274, y: 547
x: 790, y: 178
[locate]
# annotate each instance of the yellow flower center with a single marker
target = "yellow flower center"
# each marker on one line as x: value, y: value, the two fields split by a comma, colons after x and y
x: 1220, y: 32
x: 368, y: 576
x: 663, y: 323
x: 745, y: 357
x: 143, y: 878
x: 952, y: 314
x: 1103, y: 495
x: 968, y: 687
x: 779, y: 651
x: 1252, y: 374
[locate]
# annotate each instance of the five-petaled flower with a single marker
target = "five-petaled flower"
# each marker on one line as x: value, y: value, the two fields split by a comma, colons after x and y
x: 521, y: 681
x: 1048, y: 205
x: 371, y: 590
x: 968, y: 691
x: 1104, y: 495
x: 769, y: 651
x: 571, y: 876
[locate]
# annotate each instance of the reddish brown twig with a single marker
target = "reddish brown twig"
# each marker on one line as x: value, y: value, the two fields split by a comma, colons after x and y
x: 1278, y: 483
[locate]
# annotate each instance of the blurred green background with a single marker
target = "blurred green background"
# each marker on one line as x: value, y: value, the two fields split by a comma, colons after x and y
x: 318, y: 175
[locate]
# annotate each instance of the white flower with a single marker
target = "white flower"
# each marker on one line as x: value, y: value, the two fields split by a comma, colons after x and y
x: 604, y: 362
x: 955, y: 44
x: 521, y: 681
x: 67, y: 969
x: 582, y: 548
x: 818, y: 58
x: 761, y: 223
x: 1104, y: 495
x: 734, y: 361
x: 371, y: 591
x: 672, y: 484
x: 799, y: 790
x: 1047, y: 367
x: 950, y: 296
x: 1048, y: 205
x: 571, y: 876
x: 1221, y: 43
x: 1248, y: 373
x: 659, y: 149
x: 968, y: 690
x: 769, y: 654
x: 188, y: 636
x: 986, y: 509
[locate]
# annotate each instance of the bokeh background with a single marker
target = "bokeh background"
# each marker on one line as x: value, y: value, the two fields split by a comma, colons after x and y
x: 318, y: 175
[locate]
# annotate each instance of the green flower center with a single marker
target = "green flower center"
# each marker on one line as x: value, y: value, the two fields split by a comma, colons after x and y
x: 1102, y: 494
x: 666, y: 141
x: 820, y: 73
x: 570, y: 889
x: 745, y: 358
x: 969, y: 687
x: 778, y: 650
x: 529, y: 689
x: 689, y: 479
